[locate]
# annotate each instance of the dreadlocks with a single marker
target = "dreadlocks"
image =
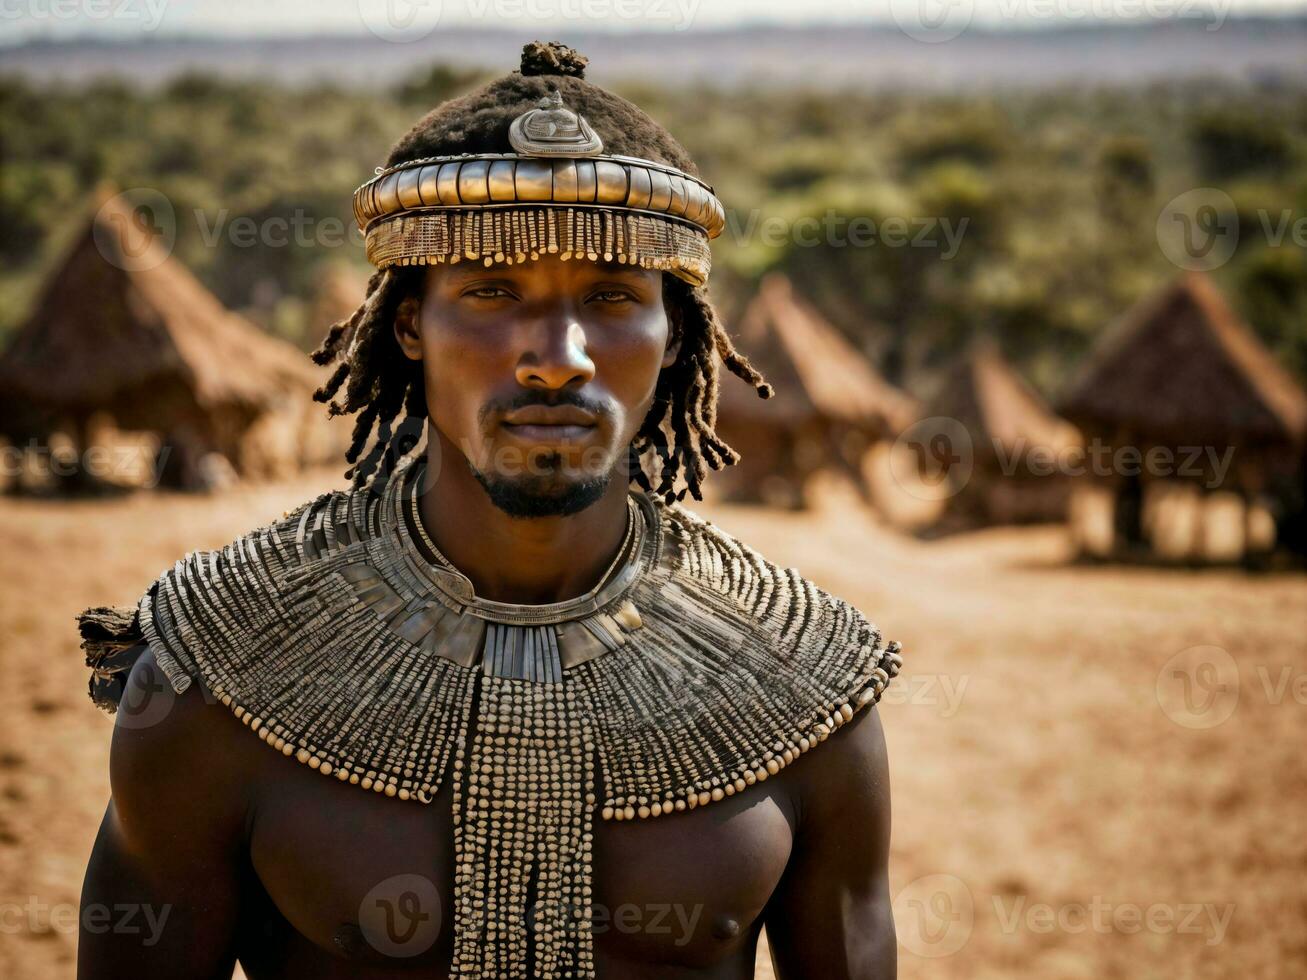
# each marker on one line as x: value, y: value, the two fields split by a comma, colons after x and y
x: 380, y: 383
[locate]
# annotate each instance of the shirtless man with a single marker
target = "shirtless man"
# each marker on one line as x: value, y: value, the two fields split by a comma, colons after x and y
x: 692, y: 813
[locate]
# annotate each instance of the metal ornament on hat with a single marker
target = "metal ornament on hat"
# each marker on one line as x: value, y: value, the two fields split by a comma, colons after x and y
x: 553, y: 130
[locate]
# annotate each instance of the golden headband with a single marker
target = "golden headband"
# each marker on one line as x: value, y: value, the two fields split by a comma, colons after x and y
x: 557, y: 194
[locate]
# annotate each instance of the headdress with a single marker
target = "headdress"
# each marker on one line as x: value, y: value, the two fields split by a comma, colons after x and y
x: 549, y: 187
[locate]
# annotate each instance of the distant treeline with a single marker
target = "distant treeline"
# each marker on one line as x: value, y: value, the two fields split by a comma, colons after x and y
x: 914, y: 221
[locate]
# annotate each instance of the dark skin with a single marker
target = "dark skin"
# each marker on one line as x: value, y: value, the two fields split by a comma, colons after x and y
x: 231, y: 851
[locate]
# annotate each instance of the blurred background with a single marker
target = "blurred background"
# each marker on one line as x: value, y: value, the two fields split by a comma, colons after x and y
x: 1030, y: 277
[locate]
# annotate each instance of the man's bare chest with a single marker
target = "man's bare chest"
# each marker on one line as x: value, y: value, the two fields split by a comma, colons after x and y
x: 369, y: 879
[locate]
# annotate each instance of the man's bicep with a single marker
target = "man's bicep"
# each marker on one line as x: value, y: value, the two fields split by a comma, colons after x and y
x: 830, y: 916
x: 161, y: 893
x: 143, y: 921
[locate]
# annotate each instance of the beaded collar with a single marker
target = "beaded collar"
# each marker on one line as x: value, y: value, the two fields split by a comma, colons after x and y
x: 697, y: 669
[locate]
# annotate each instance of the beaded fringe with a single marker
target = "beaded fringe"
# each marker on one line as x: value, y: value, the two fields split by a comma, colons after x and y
x: 512, y: 235
x: 523, y: 837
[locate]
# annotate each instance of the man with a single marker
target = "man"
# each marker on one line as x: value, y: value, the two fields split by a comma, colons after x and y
x: 559, y: 716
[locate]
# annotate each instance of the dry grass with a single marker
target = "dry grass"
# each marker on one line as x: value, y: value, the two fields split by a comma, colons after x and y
x: 1058, y: 779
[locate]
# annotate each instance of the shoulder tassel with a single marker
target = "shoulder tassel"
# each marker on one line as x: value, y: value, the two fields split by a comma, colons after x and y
x: 113, y: 639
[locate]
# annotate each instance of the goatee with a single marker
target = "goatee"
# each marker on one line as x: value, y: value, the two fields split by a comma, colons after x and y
x: 541, y: 496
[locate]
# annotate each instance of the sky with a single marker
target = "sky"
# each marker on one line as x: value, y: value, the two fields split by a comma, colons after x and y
x: 22, y: 20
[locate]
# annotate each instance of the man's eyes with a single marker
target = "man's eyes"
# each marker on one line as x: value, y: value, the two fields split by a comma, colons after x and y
x: 614, y: 296
x: 487, y: 292
x: 601, y: 296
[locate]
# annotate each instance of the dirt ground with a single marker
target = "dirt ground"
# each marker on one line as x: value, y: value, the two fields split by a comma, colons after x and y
x: 1096, y: 771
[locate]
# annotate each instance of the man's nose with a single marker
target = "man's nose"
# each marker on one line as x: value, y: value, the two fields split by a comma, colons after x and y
x: 555, y: 356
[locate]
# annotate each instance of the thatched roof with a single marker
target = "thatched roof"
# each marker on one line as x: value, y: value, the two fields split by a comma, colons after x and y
x: 816, y: 372
x: 120, y: 316
x: 1181, y: 367
x: 998, y: 408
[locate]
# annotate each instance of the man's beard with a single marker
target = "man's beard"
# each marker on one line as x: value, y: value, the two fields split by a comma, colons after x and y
x: 542, y: 495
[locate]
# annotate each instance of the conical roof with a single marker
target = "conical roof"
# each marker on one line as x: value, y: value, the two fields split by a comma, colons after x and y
x: 120, y: 314
x: 816, y: 372
x: 998, y: 407
x: 1182, y: 367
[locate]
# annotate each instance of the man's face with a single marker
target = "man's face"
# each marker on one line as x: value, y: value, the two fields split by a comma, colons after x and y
x: 539, y: 373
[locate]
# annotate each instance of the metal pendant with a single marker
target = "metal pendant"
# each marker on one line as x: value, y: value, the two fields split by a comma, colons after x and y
x: 527, y: 653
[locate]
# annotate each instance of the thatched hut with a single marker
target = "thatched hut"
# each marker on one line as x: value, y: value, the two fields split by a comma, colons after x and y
x: 1008, y: 451
x: 123, y: 331
x: 830, y: 404
x: 1197, y: 433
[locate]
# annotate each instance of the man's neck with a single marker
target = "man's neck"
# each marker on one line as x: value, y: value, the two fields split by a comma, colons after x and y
x: 530, y: 560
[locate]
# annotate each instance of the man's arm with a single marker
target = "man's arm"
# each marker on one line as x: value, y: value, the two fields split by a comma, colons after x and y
x: 830, y: 916
x: 160, y: 898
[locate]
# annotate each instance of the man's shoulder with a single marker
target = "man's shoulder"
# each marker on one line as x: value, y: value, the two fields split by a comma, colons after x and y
x: 181, y: 769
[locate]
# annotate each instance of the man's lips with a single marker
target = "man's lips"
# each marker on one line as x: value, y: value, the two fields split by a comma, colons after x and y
x: 550, y: 424
x: 550, y: 415
x: 534, y: 432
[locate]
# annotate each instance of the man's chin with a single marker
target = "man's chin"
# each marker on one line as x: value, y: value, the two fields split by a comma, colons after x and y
x: 534, y: 496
